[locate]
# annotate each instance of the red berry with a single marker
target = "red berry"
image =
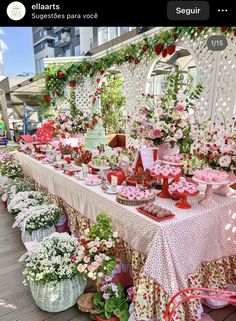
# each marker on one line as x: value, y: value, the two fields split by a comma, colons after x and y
x: 175, y: 36
x: 164, y: 53
x: 60, y: 74
x: 200, y: 29
x: 224, y: 29
x: 170, y: 49
x: 158, y: 48
x: 145, y: 48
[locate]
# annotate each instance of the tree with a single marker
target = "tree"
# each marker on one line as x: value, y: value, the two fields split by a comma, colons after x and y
x: 113, y: 104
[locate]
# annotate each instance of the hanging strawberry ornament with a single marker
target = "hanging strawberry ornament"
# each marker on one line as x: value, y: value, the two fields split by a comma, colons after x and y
x: 158, y: 48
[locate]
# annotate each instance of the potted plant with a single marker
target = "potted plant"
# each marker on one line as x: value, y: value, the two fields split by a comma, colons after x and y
x: 24, y: 200
x: 96, y: 255
x: 111, y: 302
x: 51, y: 273
x: 37, y: 222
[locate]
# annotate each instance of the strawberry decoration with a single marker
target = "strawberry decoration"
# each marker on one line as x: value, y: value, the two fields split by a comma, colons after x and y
x: 72, y: 83
x: 47, y: 98
x: 175, y: 36
x: 170, y: 49
x: 224, y: 29
x: 158, y: 48
x: 118, y: 172
x: 145, y: 48
x: 60, y: 74
x: 164, y: 53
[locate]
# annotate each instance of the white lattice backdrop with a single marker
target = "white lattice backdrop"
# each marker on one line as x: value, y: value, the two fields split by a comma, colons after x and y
x: 83, y: 92
x: 215, y: 70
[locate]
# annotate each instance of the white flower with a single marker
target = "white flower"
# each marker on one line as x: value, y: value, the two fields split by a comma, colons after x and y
x: 115, y: 234
x: 225, y: 161
x: 81, y: 268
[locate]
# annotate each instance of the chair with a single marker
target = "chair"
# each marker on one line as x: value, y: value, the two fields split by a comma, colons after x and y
x: 220, y: 295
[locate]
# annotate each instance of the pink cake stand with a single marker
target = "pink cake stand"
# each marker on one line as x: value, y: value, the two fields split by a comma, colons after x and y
x: 208, y: 199
x: 226, y: 190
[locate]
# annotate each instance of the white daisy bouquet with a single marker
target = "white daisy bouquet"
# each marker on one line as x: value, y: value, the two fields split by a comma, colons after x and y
x: 50, y: 260
x: 38, y: 217
x: 24, y: 200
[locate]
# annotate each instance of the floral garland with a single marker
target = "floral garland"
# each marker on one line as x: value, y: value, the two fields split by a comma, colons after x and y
x: 50, y: 261
x: 161, y: 44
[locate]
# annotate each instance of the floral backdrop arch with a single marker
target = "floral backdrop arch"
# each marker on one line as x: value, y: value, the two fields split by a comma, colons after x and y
x: 215, y: 70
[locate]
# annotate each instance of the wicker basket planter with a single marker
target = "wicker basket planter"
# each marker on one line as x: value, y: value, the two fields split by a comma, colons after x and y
x: 58, y: 297
x: 37, y: 235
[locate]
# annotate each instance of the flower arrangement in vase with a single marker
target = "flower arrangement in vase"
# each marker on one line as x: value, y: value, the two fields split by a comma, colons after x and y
x: 23, y: 200
x: 167, y: 118
x: 96, y: 255
x: 111, y: 301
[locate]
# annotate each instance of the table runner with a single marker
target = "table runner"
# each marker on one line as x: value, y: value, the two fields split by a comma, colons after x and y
x: 174, y: 248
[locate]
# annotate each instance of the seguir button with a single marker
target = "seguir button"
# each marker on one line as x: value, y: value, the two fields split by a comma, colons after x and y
x: 188, y: 10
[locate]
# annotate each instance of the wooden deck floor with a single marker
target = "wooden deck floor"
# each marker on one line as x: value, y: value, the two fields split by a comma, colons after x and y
x: 16, y: 302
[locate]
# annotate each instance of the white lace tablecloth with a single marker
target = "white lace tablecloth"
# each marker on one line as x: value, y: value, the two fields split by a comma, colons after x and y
x: 174, y: 248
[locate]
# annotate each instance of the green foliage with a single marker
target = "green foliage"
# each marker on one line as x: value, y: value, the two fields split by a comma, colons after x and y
x: 112, y: 104
x: 114, y: 306
x: 133, y: 53
x: 103, y: 227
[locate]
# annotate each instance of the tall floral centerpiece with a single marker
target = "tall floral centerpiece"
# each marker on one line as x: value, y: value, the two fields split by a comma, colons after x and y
x: 96, y: 255
x: 167, y: 118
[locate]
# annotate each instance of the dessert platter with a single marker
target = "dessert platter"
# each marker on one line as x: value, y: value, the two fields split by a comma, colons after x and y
x: 210, y: 177
x: 184, y: 189
x: 71, y: 169
x: 134, y: 196
x: 155, y: 212
x: 165, y: 172
x: 92, y: 180
x: 173, y: 160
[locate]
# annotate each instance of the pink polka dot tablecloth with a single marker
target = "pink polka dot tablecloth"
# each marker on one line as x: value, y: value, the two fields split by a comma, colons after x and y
x: 174, y: 248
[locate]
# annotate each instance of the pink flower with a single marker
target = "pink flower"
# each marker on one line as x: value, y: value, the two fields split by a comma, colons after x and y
x: 225, y: 161
x: 156, y: 133
x: 180, y: 107
x: 86, y: 259
x: 178, y: 134
x: 93, y: 267
x: 81, y: 268
x: 106, y: 296
x: 172, y: 128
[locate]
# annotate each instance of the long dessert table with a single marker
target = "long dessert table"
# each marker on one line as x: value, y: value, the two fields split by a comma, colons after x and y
x: 190, y: 249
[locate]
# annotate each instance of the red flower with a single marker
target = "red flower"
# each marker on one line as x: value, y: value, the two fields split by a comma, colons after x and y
x: 136, y: 61
x: 107, y: 253
x: 175, y: 36
x: 201, y: 156
x: 145, y: 48
x: 224, y: 29
x: 60, y: 74
x: 73, y: 258
x: 164, y: 53
x: 98, y: 81
x: 129, y: 58
x: 47, y: 98
x: 170, y: 49
x: 72, y: 83
x: 158, y: 48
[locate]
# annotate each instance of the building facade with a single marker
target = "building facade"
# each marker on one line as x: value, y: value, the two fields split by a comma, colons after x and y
x: 51, y: 42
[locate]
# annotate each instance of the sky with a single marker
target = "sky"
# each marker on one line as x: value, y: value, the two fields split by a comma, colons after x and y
x: 17, y: 46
